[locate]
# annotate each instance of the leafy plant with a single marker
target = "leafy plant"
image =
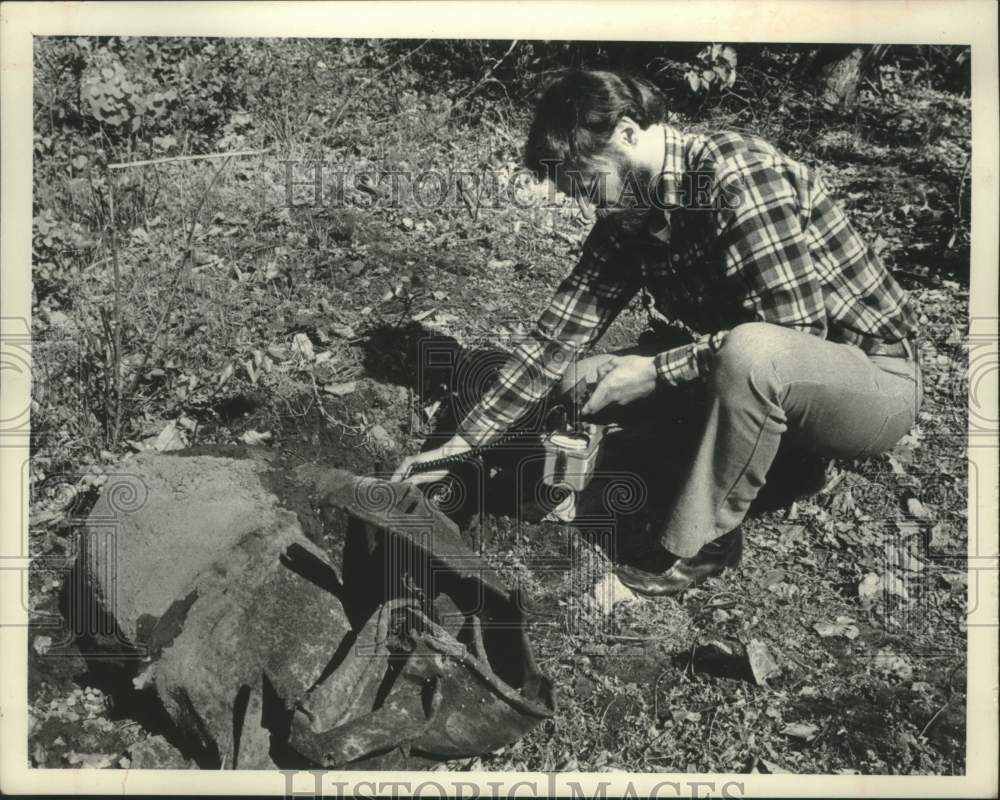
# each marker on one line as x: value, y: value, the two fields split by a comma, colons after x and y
x: 713, y: 69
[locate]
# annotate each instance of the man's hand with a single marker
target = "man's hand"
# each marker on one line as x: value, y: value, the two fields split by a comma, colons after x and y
x: 454, y: 446
x: 621, y: 380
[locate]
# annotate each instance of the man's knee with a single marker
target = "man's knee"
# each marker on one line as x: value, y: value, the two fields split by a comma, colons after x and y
x: 745, y: 358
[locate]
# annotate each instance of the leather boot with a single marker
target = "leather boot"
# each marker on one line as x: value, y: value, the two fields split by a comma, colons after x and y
x: 666, y: 573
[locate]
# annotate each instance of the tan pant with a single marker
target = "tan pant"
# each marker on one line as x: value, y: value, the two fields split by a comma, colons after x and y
x: 768, y: 383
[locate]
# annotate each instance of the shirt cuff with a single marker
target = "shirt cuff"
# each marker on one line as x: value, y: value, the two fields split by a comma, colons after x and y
x: 688, y: 362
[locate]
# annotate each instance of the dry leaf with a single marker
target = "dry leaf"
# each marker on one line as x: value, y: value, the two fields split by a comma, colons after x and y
x: 302, y: 346
x: 224, y: 376
x: 343, y: 331
x: 894, y: 586
x: 762, y: 665
x: 801, y: 730
x: 868, y: 588
x: 253, y: 438
x: 42, y: 644
x: 916, y: 509
x: 381, y: 437
x: 340, y: 389
x: 170, y: 438
x: 844, y: 626
x: 940, y: 535
x: 890, y: 663
x: 278, y: 352
x: 609, y: 592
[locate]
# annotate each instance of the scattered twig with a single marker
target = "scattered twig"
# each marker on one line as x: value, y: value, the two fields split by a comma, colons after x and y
x: 947, y: 701
x: 961, y: 196
x: 199, y: 157
x: 485, y: 78
x: 186, y: 259
x: 347, y: 101
x: 116, y: 340
x: 656, y: 699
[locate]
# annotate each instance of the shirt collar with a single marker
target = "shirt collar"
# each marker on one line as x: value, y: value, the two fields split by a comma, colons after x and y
x: 670, y: 186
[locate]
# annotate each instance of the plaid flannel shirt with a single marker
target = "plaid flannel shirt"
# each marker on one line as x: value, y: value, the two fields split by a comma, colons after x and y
x: 747, y: 235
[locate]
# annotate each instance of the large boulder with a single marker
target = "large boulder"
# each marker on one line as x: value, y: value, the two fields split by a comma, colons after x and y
x: 266, y: 645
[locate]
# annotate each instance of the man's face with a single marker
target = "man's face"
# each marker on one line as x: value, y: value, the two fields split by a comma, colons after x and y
x: 609, y: 184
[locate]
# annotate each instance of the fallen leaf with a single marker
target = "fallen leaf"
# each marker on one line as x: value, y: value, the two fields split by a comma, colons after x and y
x: 224, y: 376
x: 772, y: 577
x: 340, y: 389
x: 381, y: 437
x: 940, y: 535
x: 42, y: 644
x: 253, y: 438
x: 170, y: 438
x: 916, y: 509
x: 88, y: 760
x: 895, y: 465
x: 908, y: 528
x: 843, y: 626
x: 278, y: 352
x: 770, y: 768
x: 903, y: 559
x: 786, y: 591
x: 953, y: 580
x: 608, y: 592
x: 343, y: 331
x: 302, y: 346
x: 801, y: 730
x: 423, y: 315
x: 868, y: 588
x: 762, y: 665
x: 895, y: 586
x: 890, y: 663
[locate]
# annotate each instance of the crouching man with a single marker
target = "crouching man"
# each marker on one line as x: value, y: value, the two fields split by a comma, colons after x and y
x: 803, y: 334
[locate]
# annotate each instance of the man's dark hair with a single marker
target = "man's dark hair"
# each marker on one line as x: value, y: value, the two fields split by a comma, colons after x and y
x: 578, y: 112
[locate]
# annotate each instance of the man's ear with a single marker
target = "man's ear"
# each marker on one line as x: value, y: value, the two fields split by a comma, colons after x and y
x: 627, y: 132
